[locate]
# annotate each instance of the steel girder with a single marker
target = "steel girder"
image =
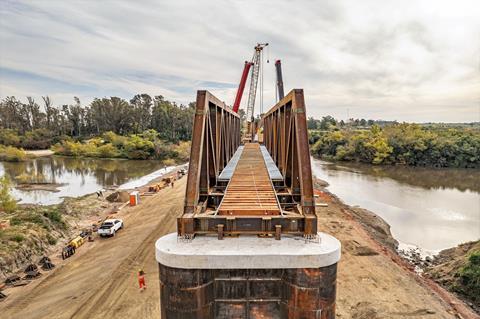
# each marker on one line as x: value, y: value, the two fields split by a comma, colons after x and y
x: 285, y: 136
x: 216, y: 137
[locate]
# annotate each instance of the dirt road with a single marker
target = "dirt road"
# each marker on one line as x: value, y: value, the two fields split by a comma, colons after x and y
x: 101, y: 282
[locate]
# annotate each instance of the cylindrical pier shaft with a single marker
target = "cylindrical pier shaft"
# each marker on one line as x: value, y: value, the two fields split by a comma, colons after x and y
x: 247, y: 277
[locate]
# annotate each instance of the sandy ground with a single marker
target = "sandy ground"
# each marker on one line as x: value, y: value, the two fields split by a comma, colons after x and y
x: 38, y: 153
x: 100, y: 281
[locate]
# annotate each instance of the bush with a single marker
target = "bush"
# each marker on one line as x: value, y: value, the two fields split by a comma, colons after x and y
x: 470, y: 278
x: 17, y: 237
x: 9, y: 137
x: 51, y: 240
x: 15, y: 221
x: 37, y: 139
x: 7, y: 202
x: 12, y: 154
x: 408, y: 144
x: 138, y: 148
x: 169, y: 162
x: 182, y: 151
x: 55, y: 216
x: 108, y: 151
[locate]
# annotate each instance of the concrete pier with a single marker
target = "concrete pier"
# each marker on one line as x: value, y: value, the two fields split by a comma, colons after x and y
x: 247, y: 277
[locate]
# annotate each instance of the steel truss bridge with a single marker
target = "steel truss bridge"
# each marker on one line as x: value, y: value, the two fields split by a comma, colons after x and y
x: 262, y: 188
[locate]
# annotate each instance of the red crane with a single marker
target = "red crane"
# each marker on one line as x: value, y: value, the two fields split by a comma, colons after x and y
x: 253, y: 81
x: 241, y: 86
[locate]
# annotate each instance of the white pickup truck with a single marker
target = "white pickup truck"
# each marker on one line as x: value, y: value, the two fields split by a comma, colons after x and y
x: 109, y: 227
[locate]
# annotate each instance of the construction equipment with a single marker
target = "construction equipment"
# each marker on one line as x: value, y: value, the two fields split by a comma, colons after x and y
x: 68, y: 251
x: 31, y: 267
x: 241, y: 86
x: 32, y: 274
x: 46, y: 263
x: 256, y: 60
x: 12, y: 280
x: 154, y: 188
x: 2, y: 295
x: 77, y: 242
x: 278, y: 71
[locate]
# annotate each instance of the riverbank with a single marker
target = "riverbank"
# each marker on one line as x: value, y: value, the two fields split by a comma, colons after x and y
x: 373, y: 282
x: 458, y: 270
x: 417, y: 203
x: 35, y: 230
x: 39, y: 153
x: 364, y: 235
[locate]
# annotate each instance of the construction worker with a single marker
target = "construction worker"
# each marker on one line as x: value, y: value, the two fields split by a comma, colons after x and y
x: 141, y: 279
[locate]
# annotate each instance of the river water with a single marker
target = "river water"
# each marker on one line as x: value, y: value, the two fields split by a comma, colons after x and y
x: 80, y: 176
x: 432, y: 209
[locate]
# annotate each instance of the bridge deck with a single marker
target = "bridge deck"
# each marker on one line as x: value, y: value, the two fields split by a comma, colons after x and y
x: 250, y: 190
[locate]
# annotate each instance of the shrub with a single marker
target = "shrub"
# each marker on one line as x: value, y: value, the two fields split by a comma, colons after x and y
x: 37, y: 139
x: 182, y: 151
x: 7, y: 202
x: 9, y: 137
x: 17, y: 237
x: 12, y: 154
x: 470, y: 277
x: 138, y: 148
x: 51, y: 240
x: 108, y: 151
x: 16, y: 221
x: 55, y: 216
x: 169, y: 162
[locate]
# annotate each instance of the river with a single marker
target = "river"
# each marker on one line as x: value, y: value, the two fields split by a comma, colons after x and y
x: 431, y: 209
x: 79, y: 176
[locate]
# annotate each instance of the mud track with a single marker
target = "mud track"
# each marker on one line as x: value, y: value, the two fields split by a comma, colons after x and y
x: 100, y: 282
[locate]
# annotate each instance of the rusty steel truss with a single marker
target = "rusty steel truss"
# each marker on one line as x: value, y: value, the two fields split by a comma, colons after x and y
x: 216, y: 137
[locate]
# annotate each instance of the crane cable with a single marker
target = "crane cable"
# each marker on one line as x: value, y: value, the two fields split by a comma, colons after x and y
x: 261, y: 83
x: 262, y: 77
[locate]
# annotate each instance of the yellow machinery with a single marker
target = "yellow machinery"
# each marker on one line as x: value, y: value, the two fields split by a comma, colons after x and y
x: 77, y: 242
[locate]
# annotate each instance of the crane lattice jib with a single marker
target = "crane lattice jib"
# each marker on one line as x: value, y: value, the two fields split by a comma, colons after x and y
x: 254, y: 81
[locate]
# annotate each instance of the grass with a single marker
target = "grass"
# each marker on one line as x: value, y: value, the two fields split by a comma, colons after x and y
x: 18, y: 238
x: 469, y: 278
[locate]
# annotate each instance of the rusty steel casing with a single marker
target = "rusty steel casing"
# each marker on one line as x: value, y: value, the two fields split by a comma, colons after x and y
x: 248, y: 293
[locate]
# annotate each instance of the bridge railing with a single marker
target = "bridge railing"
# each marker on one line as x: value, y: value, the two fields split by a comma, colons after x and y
x: 285, y: 135
x: 216, y: 137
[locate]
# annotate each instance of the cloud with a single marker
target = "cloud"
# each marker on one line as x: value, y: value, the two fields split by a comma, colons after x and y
x: 409, y: 61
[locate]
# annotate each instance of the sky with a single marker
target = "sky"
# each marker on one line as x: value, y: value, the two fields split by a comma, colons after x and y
x: 414, y: 61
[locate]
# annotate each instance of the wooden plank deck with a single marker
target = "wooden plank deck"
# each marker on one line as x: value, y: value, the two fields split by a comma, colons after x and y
x: 250, y: 191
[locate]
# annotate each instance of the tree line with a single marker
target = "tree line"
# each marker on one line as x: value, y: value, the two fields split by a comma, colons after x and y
x: 401, y: 143
x: 329, y: 122
x: 34, y: 125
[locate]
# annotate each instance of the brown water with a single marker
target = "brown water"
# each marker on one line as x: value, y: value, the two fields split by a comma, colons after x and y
x: 429, y: 208
x: 80, y: 176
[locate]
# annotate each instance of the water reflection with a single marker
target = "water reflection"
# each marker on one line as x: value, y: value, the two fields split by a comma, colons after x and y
x: 80, y: 175
x: 428, y: 178
x: 433, y: 209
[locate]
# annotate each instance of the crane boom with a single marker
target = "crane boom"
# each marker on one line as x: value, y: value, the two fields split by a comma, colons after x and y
x: 278, y: 68
x: 254, y: 80
x: 256, y: 60
x: 241, y: 86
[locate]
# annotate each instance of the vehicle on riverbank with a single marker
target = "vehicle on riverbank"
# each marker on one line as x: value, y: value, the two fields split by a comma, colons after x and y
x: 109, y: 227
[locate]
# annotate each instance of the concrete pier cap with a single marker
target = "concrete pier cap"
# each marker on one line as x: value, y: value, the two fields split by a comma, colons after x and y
x: 247, y: 277
x: 247, y: 252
